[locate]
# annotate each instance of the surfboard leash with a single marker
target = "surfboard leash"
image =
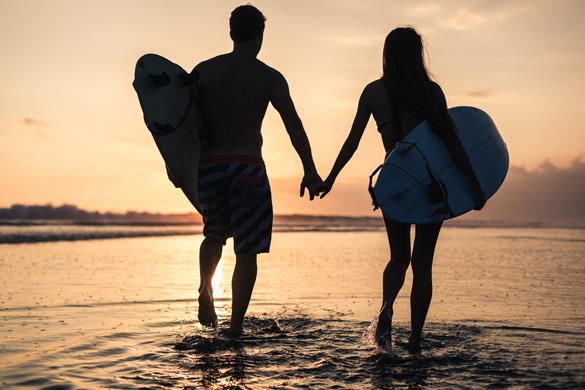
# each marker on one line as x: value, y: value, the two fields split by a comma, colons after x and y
x: 371, y: 188
x: 436, y: 190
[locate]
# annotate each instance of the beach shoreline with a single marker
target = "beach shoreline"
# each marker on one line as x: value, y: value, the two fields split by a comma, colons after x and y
x: 121, y: 313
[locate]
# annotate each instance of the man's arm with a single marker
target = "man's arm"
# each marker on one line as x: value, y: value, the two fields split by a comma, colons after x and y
x: 282, y: 102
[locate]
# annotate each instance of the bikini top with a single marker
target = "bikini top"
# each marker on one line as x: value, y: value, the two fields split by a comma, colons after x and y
x: 409, y: 122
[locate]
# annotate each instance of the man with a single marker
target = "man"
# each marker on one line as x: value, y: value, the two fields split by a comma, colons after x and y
x: 234, y: 90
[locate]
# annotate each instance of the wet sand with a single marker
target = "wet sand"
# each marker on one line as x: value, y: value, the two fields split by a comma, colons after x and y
x: 121, y: 313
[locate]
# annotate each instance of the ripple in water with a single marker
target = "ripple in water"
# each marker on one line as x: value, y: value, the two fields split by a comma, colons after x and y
x: 301, y: 352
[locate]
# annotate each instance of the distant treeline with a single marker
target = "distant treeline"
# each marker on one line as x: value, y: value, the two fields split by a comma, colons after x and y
x: 23, y: 213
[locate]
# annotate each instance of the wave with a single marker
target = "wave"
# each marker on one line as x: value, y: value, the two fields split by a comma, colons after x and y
x: 35, y: 231
x: 22, y: 234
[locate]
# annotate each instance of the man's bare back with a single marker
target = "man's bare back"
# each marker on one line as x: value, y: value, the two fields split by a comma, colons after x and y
x: 235, y: 90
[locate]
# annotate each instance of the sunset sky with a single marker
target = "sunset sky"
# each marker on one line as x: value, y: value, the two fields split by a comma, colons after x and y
x: 71, y: 128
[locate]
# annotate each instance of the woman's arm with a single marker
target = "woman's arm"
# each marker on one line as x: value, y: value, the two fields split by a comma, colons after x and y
x: 350, y: 145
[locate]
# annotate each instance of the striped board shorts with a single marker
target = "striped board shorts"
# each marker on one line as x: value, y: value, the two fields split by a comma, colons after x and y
x: 236, y: 201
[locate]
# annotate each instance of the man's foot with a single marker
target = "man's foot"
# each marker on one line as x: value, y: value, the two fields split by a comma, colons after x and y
x: 231, y: 333
x: 384, y: 329
x: 206, y: 315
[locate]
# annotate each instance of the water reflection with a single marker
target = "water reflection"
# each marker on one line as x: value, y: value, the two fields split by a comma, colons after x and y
x: 222, y: 279
x: 220, y: 362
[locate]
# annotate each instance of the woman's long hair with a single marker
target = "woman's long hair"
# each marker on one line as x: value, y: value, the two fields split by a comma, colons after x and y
x: 408, y: 83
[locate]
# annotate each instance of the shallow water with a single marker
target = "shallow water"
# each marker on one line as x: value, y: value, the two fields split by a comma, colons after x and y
x: 508, y: 312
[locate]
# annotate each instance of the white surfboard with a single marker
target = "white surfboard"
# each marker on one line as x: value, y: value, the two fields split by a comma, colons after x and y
x: 167, y: 102
x: 421, y: 159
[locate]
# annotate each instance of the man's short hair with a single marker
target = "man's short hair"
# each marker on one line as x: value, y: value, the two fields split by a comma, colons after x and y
x: 246, y: 22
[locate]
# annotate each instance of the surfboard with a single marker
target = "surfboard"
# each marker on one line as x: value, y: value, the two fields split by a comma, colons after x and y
x: 167, y: 100
x: 420, y: 183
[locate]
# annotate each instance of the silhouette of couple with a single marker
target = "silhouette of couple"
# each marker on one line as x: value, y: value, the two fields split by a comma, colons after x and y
x: 233, y: 93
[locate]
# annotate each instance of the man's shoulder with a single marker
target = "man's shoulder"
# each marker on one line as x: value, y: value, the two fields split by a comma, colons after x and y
x: 224, y: 59
x: 211, y: 61
x: 269, y: 70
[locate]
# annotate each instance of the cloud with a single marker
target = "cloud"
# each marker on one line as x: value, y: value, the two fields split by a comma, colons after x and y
x: 463, y: 19
x: 424, y: 10
x: 353, y: 40
x: 35, y: 122
x: 548, y: 194
x: 38, y: 126
x: 478, y: 94
x: 452, y: 16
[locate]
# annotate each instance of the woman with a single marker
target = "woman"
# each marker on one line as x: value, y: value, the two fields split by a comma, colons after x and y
x: 404, y: 97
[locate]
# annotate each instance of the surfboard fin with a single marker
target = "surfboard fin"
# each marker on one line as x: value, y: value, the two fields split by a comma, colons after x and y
x: 436, y: 191
x: 160, y: 129
x: 160, y: 80
x: 443, y: 210
x: 408, y: 148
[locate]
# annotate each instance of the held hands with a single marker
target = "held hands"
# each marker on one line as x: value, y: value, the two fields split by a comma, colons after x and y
x: 316, y: 188
x: 323, y: 188
x: 311, y: 181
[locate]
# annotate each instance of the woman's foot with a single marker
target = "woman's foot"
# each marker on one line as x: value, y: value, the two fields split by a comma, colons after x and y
x: 414, y: 344
x: 384, y: 329
x: 206, y: 315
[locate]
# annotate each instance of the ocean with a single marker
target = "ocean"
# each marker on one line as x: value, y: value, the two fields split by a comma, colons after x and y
x: 115, y: 306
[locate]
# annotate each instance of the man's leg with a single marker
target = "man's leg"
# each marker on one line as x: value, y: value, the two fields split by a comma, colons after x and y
x: 242, y: 286
x: 209, y: 255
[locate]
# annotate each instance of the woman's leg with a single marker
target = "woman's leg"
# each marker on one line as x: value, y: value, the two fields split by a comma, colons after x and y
x: 425, y: 241
x: 393, y: 277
